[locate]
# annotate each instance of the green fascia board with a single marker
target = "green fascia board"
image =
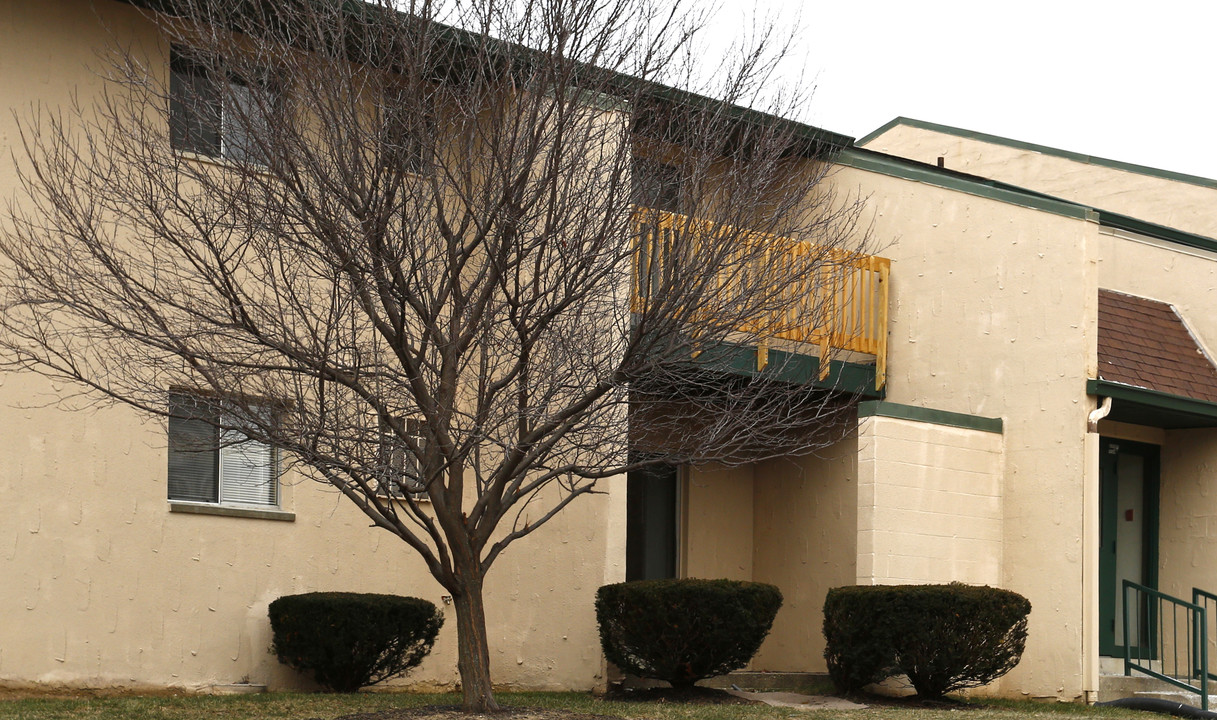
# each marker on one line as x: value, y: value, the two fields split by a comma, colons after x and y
x: 794, y: 368
x: 1152, y: 398
x: 892, y: 165
x: 898, y: 411
x: 1117, y: 221
x: 1042, y: 149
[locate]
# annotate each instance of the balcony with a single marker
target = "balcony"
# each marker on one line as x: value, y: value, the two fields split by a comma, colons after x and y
x: 840, y: 306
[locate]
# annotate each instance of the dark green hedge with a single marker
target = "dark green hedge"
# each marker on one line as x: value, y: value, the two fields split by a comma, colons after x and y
x: 352, y: 640
x: 684, y: 630
x: 943, y: 637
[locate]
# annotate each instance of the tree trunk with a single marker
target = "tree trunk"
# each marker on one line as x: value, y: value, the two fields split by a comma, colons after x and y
x: 473, y: 659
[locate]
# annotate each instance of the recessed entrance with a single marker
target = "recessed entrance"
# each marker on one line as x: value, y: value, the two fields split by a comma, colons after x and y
x: 1128, y: 536
x: 651, y: 522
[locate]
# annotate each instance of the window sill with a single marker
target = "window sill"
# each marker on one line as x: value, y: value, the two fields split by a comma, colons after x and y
x: 177, y: 506
x: 224, y: 163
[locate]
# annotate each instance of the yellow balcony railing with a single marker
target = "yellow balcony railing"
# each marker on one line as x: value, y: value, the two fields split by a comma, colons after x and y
x: 839, y: 304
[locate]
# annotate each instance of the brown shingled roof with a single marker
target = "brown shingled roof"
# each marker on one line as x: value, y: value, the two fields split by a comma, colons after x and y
x: 1144, y: 343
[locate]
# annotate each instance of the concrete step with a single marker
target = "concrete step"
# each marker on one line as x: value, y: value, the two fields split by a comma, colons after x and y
x: 1114, y: 687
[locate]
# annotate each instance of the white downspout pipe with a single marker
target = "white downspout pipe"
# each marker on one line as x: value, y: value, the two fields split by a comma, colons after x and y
x: 1102, y: 411
x: 1090, y: 552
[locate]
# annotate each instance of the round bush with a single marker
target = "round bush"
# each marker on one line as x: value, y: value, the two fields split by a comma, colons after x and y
x: 352, y: 640
x: 684, y: 630
x: 943, y: 637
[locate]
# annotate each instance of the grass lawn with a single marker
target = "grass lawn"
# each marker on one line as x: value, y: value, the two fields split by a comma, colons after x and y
x: 297, y: 706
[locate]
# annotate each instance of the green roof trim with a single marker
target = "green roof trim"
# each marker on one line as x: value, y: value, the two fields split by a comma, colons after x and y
x: 883, y: 408
x: 1175, y: 408
x: 1042, y: 149
x: 895, y: 166
x: 1127, y: 223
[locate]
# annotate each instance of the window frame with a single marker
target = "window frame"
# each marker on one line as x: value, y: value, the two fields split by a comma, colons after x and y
x: 400, y: 136
x: 393, y: 460
x: 200, y: 114
x: 206, y: 414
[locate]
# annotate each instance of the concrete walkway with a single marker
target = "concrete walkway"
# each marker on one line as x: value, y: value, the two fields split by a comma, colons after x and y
x: 799, y: 702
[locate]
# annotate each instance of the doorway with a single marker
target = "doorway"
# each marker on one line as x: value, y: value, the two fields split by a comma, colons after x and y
x: 1128, y: 537
x: 652, y: 512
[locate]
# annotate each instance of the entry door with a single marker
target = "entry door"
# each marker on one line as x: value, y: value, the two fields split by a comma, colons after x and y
x: 1128, y: 537
x: 651, y: 519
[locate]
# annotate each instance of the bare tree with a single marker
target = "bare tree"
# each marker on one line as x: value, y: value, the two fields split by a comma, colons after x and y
x: 407, y: 254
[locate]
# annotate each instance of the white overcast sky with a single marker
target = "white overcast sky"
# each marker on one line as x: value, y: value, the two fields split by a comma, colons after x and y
x: 1131, y: 81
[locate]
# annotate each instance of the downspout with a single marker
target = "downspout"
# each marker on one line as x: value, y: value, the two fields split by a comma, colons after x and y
x: 1090, y: 552
x: 1102, y: 411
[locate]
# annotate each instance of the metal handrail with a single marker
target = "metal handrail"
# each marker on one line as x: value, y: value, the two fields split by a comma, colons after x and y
x: 1158, y: 639
x: 1206, y: 600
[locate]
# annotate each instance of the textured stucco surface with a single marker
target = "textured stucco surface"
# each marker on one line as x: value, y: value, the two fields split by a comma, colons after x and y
x: 104, y: 586
x: 993, y: 313
x: 1160, y: 200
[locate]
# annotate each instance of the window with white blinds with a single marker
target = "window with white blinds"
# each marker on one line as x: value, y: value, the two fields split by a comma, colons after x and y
x: 207, y: 464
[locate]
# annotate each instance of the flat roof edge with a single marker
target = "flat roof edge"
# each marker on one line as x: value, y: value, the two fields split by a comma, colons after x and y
x: 894, y: 166
x: 1152, y: 398
x: 1043, y: 149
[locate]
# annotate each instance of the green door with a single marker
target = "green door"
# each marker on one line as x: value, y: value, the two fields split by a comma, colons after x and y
x: 1128, y: 536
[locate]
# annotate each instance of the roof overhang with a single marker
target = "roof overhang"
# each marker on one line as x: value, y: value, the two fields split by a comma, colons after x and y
x: 1140, y: 406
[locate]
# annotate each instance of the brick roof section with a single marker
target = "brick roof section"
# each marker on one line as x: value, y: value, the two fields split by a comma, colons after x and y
x: 1146, y: 344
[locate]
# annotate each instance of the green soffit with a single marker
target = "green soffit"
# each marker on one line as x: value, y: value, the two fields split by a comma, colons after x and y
x: 883, y: 408
x: 1042, y: 149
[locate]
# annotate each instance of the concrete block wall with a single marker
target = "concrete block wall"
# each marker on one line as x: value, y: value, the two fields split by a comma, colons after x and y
x: 929, y: 503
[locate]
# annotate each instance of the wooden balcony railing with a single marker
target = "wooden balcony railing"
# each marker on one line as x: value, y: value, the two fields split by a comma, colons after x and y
x: 840, y: 304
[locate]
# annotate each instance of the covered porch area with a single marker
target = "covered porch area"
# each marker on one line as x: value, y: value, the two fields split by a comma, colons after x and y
x: 1151, y: 504
x: 910, y: 496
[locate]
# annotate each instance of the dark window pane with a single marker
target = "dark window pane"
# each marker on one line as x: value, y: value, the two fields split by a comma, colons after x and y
x: 194, y: 107
x: 193, y: 441
x: 656, y: 185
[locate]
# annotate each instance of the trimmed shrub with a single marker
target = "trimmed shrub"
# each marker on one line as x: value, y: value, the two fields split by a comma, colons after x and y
x: 352, y: 640
x: 684, y: 630
x: 943, y: 637
x: 859, y: 622
x: 960, y: 636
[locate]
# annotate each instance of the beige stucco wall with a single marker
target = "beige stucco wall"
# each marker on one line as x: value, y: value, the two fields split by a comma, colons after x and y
x: 804, y: 542
x: 929, y: 504
x: 1187, y: 545
x: 717, y: 519
x: 788, y: 522
x: 993, y: 311
x: 1183, y: 205
x: 104, y: 586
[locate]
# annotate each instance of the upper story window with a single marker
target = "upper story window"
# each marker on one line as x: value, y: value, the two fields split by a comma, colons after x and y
x: 217, y: 113
x: 400, y: 471
x: 212, y: 465
x: 657, y: 185
x: 404, y: 130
